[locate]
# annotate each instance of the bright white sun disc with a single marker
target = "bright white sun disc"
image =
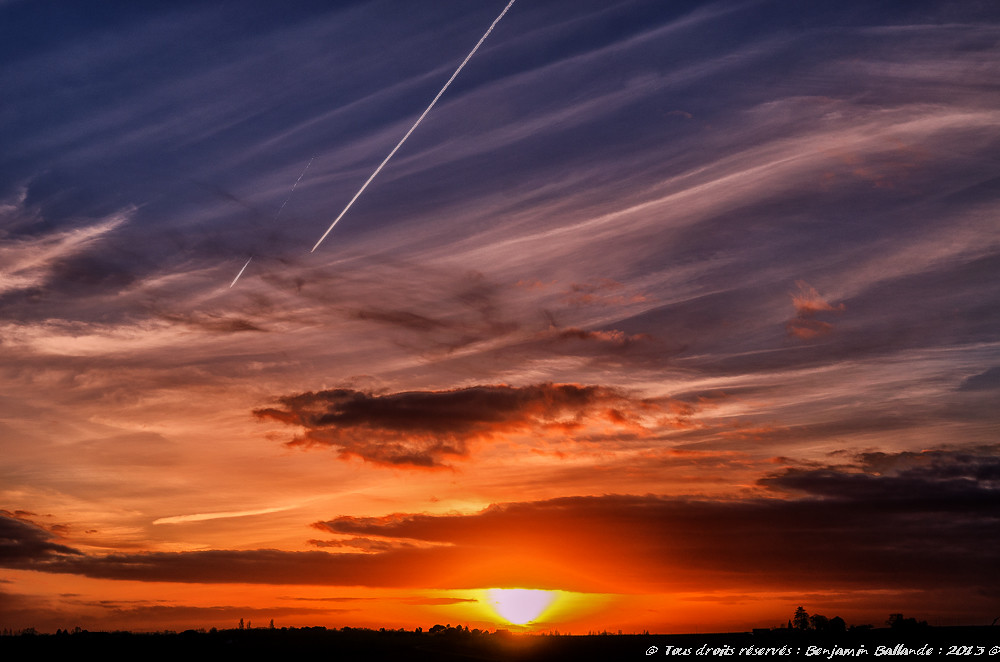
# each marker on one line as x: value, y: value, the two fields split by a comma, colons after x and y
x: 519, y: 605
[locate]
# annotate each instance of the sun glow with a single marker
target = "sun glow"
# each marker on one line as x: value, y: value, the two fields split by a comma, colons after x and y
x: 519, y: 606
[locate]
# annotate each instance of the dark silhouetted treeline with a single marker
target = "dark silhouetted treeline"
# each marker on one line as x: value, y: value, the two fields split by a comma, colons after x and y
x: 451, y: 644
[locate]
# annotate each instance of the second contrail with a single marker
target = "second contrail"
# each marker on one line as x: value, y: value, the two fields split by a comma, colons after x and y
x: 289, y: 197
x: 415, y: 124
x: 280, y: 209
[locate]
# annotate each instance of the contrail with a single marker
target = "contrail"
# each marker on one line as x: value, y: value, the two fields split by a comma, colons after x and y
x: 287, y: 198
x: 301, y: 175
x: 415, y: 124
x: 241, y: 272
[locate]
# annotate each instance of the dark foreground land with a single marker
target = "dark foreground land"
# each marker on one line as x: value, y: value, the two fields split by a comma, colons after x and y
x: 454, y: 645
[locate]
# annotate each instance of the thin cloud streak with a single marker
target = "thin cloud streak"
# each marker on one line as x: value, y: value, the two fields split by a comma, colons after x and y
x: 202, y: 517
x: 30, y: 262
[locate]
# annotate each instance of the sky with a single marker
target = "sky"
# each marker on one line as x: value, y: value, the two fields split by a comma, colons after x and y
x: 688, y: 312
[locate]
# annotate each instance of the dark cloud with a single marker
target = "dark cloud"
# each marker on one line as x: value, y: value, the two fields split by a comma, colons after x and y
x: 81, y: 275
x: 928, y: 522
x: 47, y: 615
x: 166, y: 613
x: 984, y: 381
x: 443, y: 334
x: 364, y: 544
x: 408, y: 568
x: 423, y: 428
x: 336, y: 599
x: 24, y: 541
x: 927, y: 526
x: 979, y: 464
x: 602, y: 345
x: 955, y: 492
x: 212, y: 322
x: 437, y: 601
x: 413, y: 305
x: 402, y: 318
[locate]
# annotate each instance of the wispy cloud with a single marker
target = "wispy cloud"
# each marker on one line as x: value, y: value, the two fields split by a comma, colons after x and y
x: 202, y: 517
x: 33, y: 261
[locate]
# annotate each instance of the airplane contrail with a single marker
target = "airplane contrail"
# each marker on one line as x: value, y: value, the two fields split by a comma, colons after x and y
x: 301, y: 175
x: 241, y: 272
x: 287, y: 198
x: 415, y: 124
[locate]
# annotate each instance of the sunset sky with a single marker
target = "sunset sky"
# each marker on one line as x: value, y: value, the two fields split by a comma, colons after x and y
x: 687, y: 311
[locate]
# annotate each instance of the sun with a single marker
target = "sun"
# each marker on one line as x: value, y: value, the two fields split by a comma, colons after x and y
x: 519, y: 606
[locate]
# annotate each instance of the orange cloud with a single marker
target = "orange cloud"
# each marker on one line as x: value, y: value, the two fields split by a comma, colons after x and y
x: 894, y: 164
x: 611, y: 337
x: 807, y: 329
x: 605, y: 292
x: 808, y: 303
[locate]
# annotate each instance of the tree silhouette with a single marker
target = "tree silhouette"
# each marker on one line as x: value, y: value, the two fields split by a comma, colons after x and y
x: 897, y: 622
x: 801, y: 619
x: 819, y: 622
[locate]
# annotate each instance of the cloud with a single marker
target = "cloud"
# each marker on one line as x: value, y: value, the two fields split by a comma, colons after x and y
x: 22, y: 540
x: 364, y: 544
x: 880, y: 521
x: 575, y: 341
x: 987, y: 380
x: 424, y: 428
x: 260, y: 566
x: 926, y: 483
x: 47, y: 614
x: 602, y: 292
x: 808, y: 303
x: 213, y: 323
x: 201, y: 517
x: 402, y: 318
x: 929, y: 526
x: 33, y: 261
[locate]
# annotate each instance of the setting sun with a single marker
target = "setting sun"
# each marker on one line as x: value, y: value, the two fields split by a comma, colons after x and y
x: 519, y: 606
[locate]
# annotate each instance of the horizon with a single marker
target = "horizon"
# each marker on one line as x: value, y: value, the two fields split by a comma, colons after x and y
x: 684, y: 312
x: 896, y: 624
